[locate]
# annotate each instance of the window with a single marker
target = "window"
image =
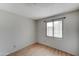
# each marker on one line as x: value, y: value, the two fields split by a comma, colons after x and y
x: 54, y: 29
x: 58, y: 29
x: 50, y: 29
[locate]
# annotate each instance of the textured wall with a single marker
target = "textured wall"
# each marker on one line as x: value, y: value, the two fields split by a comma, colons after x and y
x: 69, y: 42
x: 16, y: 32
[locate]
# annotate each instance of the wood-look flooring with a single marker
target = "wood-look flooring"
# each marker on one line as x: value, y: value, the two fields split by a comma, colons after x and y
x: 39, y: 50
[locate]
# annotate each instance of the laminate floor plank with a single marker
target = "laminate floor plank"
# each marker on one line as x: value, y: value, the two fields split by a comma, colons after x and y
x: 39, y: 50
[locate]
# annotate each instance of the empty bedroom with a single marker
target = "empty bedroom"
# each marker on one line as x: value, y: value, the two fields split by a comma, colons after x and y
x: 39, y: 29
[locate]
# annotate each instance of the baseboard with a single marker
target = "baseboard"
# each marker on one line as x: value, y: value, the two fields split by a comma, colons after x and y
x: 55, y: 48
x: 44, y: 45
x: 7, y: 54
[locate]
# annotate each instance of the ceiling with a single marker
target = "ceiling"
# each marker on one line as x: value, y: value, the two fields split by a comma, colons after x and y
x: 38, y: 10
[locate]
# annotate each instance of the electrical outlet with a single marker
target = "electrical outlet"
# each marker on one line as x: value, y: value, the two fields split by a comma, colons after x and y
x: 14, y: 46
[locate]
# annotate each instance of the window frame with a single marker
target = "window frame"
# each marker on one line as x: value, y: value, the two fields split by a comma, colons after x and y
x: 53, y: 28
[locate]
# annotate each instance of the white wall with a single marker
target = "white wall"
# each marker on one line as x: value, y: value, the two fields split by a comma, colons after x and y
x: 16, y: 32
x: 69, y: 42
